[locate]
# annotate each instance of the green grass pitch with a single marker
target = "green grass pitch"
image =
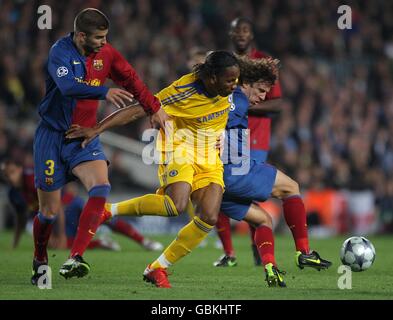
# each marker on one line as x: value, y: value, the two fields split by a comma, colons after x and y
x: 118, y: 275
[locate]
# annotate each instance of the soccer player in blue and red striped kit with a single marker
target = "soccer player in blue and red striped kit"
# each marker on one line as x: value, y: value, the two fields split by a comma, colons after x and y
x: 77, y: 67
x: 259, y: 122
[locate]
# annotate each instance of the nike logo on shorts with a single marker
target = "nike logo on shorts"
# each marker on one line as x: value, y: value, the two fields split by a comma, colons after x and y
x: 95, y: 153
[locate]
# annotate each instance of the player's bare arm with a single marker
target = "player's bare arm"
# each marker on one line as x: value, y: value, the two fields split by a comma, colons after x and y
x: 269, y: 106
x: 118, y: 118
x: 157, y: 120
x: 259, y: 106
x: 119, y: 97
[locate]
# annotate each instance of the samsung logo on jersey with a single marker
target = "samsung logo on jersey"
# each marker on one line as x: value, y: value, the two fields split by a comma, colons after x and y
x: 212, y: 116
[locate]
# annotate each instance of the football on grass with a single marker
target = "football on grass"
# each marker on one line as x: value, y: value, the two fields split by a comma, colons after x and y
x: 358, y: 253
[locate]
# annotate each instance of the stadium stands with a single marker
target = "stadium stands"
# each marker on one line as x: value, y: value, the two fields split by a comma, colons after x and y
x: 336, y: 130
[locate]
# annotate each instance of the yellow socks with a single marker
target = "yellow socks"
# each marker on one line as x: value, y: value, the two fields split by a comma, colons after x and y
x: 189, y: 237
x: 147, y: 205
x: 190, y: 210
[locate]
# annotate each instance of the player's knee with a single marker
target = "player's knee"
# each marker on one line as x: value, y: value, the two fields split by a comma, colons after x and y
x: 180, y: 204
x: 210, y: 217
x: 263, y: 219
x: 293, y: 188
x: 51, y: 209
x: 267, y: 220
x: 289, y: 188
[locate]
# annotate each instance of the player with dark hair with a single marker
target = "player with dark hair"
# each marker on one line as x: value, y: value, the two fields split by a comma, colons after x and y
x: 259, y: 122
x: 199, y: 103
x: 77, y: 67
x: 261, y: 181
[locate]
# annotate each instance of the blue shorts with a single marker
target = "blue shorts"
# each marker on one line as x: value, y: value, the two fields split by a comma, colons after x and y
x: 259, y: 155
x: 55, y: 157
x: 242, y: 190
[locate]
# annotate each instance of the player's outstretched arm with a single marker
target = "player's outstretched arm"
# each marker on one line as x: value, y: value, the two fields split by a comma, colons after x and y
x: 265, y: 107
x: 118, y: 118
x: 124, y: 75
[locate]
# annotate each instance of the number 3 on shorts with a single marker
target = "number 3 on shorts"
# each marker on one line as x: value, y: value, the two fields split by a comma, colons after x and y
x: 51, y: 167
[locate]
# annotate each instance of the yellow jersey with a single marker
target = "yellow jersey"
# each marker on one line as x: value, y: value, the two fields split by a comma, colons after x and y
x: 197, y: 120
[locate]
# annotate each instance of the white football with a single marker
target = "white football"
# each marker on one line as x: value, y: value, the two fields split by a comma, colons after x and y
x: 358, y: 253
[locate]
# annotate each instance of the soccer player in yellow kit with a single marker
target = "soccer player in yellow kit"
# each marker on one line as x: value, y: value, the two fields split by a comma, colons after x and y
x: 199, y: 103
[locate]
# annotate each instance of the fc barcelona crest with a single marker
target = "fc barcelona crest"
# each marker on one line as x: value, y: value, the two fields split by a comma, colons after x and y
x: 48, y: 181
x: 98, y: 64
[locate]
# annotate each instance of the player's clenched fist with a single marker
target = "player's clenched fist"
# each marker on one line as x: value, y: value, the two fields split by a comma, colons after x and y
x: 119, y: 97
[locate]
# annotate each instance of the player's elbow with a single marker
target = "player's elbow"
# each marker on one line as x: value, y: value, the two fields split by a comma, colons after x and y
x: 67, y: 90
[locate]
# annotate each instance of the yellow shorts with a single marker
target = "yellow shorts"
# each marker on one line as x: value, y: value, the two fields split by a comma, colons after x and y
x: 196, y: 175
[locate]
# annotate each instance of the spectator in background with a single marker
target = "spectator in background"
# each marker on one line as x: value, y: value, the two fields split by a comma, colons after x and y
x: 196, y: 55
x: 22, y: 195
x: 386, y: 208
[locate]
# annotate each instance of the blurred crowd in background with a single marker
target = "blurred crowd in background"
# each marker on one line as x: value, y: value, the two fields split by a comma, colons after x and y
x: 336, y: 127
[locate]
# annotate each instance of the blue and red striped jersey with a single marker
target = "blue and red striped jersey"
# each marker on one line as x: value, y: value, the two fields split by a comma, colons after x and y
x: 75, y: 83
